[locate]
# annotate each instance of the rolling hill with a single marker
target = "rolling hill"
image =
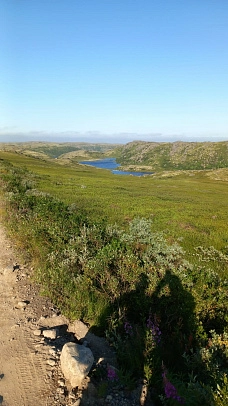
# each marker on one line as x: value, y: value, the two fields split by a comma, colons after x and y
x: 173, y: 156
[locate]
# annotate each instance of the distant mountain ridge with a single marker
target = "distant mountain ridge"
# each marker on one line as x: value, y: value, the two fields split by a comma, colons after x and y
x: 174, y: 155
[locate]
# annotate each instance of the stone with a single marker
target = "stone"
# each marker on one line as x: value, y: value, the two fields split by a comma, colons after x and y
x: 77, y: 403
x: 51, y: 333
x: 76, y: 362
x: 21, y: 305
x: 98, y: 345
x: 51, y: 322
x: 37, y: 332
x: 79, y: 329
x: 51, y: 362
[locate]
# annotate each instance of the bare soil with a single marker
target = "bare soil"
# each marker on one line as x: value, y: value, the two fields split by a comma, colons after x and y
x: 24, y: 371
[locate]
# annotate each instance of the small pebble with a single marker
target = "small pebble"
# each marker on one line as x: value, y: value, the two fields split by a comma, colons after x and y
x: 51, y: 362
x: 37, y: 332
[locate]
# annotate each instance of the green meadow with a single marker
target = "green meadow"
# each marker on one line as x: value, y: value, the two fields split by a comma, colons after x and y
x: 143, y: 260
x: 190, y: 207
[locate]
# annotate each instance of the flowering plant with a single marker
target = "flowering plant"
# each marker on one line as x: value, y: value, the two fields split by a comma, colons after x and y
x: 112, y: 374
x: 153, y: 326
x: 170, y: 390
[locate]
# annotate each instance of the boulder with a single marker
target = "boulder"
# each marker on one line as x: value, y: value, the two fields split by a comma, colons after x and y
x: 99, y: 346
x: 50, y: 322
x: 76, y: 361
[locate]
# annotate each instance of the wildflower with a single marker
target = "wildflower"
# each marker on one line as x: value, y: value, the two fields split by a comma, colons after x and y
x: 153, y: 326
x: 111, y: 373
x: 170, y: 390
x: 128, y: 328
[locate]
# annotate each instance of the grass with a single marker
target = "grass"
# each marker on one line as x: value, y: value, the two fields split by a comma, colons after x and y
x: 98, y: 252
x: 191, y: 209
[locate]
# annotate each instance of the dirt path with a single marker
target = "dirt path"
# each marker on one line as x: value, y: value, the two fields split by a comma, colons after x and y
x: 23, y: 368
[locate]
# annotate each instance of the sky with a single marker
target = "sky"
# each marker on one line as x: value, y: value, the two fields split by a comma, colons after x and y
x: 113, y: 70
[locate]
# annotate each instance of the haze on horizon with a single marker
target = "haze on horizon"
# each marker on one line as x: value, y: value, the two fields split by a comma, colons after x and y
x: 115, y: 71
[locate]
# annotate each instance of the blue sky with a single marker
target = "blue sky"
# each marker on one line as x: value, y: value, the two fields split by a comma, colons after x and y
x: 114, y: 70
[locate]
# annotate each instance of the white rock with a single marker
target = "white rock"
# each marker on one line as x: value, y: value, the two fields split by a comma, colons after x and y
x: 51, y: 333
x: 21, y: 305
x: 37, y: 332
x: 51, y: 362
x: 76, y: 362
x: 79, y: 329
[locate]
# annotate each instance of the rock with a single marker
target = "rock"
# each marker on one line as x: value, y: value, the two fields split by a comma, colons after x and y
x: 51, y: 333
x: 22, y: 304
x: 77, y: 403
x: 57, y: 321
x: 100, y: 349
x: 98, y: 345
x: 79, y: 329
x: 76, y: 362
x: 37, y: 332
x: 51, y: 362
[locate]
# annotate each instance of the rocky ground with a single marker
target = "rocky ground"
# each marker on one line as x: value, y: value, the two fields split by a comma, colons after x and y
x: 32, y: 335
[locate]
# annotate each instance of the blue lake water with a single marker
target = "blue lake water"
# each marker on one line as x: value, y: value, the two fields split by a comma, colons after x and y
x: 111, y: 164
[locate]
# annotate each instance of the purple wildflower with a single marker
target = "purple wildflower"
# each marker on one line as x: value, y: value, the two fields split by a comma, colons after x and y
x: 170, y: 390
x: 153, y: 326
x: 111, y: 373
x: 128, y: 328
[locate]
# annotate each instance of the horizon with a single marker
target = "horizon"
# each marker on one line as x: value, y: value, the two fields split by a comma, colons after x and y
x: 95, y: 137
x: 102, y: 70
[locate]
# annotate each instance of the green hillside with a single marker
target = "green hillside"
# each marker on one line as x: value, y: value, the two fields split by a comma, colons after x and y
x: 65, y: 151
x: 174, y: 156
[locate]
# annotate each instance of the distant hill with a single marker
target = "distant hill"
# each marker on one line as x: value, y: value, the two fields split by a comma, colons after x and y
x: 173, y: 156
x: 65, y: 152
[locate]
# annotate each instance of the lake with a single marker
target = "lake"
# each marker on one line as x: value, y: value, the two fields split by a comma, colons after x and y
x: 111, y: 164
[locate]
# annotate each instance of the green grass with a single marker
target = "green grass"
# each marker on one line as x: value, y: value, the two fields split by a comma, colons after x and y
x: 192, y: 209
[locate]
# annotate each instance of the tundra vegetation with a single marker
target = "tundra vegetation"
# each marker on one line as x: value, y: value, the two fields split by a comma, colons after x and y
x: 142, y: 260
